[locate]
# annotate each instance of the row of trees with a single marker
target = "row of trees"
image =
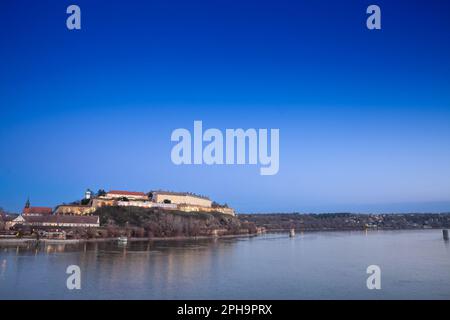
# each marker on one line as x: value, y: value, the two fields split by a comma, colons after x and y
x: 3, y: 214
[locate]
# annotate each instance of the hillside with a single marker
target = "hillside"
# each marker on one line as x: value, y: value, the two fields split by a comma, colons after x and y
x: 144, y: 222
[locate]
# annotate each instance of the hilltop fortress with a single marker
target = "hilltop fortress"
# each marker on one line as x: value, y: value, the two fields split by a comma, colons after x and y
x: 82, y: 213
x: 166, y: 200
x: 125, y: 213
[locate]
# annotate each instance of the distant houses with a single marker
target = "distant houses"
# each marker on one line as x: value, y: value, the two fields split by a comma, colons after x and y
x: 44, y: 217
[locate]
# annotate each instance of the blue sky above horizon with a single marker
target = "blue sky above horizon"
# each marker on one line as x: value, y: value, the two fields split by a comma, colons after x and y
x: 363, y: 115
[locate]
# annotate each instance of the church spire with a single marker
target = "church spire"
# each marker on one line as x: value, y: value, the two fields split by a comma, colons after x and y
x: 27, y: 204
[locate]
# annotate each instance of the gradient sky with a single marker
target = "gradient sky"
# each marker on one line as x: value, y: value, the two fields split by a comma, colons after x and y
x: 363, y: 115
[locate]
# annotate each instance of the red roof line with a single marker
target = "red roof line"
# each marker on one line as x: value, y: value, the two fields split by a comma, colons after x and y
x: 41, y: 210
x: 127, y: 192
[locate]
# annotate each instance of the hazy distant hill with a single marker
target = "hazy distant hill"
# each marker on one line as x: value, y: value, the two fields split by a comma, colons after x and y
x: 348, y: 221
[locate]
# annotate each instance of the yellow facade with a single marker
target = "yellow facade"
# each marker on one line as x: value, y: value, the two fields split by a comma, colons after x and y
x: 181, y: 198
x: 75, y: 210
x: 193, y: 208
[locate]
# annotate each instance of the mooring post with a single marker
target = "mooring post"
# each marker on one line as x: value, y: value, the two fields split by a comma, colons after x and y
x: 292, y: 233
x: 445, y: 234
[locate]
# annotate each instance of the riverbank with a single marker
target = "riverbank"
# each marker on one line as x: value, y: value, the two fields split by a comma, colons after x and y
x: 75, y: 241
x: 27, y: 241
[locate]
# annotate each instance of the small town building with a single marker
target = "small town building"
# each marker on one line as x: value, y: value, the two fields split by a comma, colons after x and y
x: 56, y: 221
x: 28, y: 210
x: 56, y: 235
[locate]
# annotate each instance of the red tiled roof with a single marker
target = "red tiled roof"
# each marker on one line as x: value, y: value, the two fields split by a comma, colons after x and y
x: 128, y: 193
x: 37, y: 210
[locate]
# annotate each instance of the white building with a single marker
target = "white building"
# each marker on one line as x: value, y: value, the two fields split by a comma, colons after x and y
x: 56, y: 221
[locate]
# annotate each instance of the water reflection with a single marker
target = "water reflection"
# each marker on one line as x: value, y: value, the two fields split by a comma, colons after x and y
x: 3, y: 267
x: 274, y: 266
x: 109, y: 263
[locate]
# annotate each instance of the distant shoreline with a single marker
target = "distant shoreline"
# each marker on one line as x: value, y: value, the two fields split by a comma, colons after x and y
x: 347, y: 221
x: 182, y: 238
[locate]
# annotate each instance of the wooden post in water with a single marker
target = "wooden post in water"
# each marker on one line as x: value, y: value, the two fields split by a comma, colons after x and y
x: 445, y: 234
x: 292, y: 233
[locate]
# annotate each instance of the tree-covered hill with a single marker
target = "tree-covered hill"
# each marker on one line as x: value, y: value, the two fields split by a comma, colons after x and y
x: 154, y: 222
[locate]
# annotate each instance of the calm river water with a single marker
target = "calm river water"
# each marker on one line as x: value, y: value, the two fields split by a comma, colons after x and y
x: 322, y: 265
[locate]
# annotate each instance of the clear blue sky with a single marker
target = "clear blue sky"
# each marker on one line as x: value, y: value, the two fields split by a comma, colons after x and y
x: 363, y: 115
